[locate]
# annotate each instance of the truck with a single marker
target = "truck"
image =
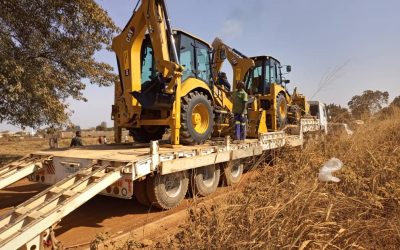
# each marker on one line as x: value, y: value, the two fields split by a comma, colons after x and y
x: 162, y: 86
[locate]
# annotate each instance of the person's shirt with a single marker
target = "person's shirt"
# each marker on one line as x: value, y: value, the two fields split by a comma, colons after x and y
x: 239, y: 101
x: 76, y: 142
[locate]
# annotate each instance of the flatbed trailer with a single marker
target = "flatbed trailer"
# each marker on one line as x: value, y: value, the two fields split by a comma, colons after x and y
x: 157, y: 175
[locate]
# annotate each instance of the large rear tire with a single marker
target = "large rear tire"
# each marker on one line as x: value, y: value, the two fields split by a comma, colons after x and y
x: 197, y: 118
x: 141, y: 192
x: 146, y: 134
x: 204, y: 181
x: 167, y: 191
x: 233, y: 172
x: 281, y: 112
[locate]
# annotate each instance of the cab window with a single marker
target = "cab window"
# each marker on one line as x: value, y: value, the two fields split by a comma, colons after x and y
x: 148, y: 68
x: 272, y: 71
x: 203, y: 62
x: 254, y: 80
x: 278, y: 73
x: 186, y: 56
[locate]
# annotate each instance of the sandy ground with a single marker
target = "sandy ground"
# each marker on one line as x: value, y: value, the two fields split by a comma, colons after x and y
x: 120, y: 218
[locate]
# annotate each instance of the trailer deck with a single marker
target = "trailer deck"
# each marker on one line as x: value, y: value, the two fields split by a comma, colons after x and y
x: 77, y: 174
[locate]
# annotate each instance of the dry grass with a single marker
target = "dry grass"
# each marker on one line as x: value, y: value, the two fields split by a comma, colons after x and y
x: 286, y: 207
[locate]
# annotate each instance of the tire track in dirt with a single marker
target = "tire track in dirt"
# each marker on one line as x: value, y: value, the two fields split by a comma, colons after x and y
x: 120, y: 218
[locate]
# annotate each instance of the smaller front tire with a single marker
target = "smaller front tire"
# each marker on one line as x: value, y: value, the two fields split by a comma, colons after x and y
x: 281, y: 112
x: 145, y: 134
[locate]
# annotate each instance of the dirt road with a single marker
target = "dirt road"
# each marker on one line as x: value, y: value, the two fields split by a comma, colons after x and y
x: 103, y: 214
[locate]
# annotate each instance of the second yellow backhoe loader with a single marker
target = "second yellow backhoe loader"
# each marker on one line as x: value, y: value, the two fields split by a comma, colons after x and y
x: 273, y: 107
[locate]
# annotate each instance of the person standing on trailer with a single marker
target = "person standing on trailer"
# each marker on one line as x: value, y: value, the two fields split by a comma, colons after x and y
x: 77, y: 140
x: 240, y: 99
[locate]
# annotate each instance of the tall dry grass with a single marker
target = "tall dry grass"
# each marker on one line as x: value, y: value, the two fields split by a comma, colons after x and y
x: 285, y: 206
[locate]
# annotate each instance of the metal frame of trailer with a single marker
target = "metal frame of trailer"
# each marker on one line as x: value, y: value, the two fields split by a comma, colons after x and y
x: 76, y: 175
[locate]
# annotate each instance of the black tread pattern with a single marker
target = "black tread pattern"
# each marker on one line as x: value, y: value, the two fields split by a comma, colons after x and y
x: 197, y: 181
x: 156, y: 192
x: 143, y: 136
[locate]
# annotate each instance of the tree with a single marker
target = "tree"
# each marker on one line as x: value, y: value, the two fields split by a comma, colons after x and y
x: 46, y: 49
x: 369, y: 103
x: 395, y: 102
x: 102, y: 126
x: 338, y: 113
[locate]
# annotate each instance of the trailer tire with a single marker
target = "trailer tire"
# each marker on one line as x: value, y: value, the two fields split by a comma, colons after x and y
x: 167, y: 191
x: 197, y: 118
x: 204, y: 181
x: 281, y: 112
x: 146, y: 134
x: 140, y: 192
x: 233, y: 172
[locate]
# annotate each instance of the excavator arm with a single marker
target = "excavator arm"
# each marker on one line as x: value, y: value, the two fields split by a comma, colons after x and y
x: 239, y: 62
x: 151, y: 18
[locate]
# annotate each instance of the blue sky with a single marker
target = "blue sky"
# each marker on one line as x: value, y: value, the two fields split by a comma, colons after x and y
x: 341, y: 47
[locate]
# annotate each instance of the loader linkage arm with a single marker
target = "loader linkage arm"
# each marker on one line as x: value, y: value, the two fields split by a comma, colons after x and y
x: 239, y: 62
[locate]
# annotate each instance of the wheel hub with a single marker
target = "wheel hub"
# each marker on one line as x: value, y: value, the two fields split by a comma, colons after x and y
x: 282, y: 109
x: 172, y: 185
x: 208, y: 175
x: 200, y: 118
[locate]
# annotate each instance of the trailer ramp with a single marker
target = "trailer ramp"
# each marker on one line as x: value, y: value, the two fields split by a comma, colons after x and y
x: 18, y: 170
x: 23, y: 227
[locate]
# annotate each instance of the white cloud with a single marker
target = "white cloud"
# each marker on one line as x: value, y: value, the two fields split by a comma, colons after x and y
x: 232, y: 28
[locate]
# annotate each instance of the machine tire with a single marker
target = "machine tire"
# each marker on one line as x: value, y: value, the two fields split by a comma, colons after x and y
x: 233, y: 172
x: 146, y: 134
x: 164, y: 197
x: 190, y: 103
x: 294, y: 114
x: 140, y: 192
x: 204, y: 181
x: 281, y: 112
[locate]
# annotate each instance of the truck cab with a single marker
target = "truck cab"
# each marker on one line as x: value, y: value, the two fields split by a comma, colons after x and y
x: 318, y: 109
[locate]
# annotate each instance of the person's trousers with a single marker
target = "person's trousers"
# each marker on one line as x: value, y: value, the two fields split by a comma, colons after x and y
x: 240, y: 127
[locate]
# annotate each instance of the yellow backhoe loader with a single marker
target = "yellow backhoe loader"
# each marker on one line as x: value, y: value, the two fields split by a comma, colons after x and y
x: 165, y: 80
x: 273, y: 107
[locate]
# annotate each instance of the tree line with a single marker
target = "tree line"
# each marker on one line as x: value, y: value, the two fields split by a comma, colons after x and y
x: 363, y: 106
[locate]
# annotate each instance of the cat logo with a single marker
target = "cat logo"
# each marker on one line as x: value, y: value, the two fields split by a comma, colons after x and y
x: 131, y: 32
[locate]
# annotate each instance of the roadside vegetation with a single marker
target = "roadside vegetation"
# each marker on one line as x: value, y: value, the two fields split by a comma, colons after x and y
x: 285, y: 206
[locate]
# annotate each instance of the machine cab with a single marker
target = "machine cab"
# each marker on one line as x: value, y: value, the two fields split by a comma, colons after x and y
x: 267, y: 71
x: 194, y: 55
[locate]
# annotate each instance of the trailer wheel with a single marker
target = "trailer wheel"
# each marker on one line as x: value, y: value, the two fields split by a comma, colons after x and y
x: 146, y: 134
x: 197, y: 118
x: 167, y: 191
x: 233, y: 172
x: 141, y: 192
x: 281, y: 112
x: 204, y: 181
